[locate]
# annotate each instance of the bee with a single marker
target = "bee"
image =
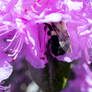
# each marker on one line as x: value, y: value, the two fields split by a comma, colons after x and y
x: 59, y: 41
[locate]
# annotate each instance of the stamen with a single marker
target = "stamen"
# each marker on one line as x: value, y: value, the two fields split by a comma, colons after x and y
x: 5, y: 32
x: 14, y: 49
x: 25, y: 10
x: 17, y: 49
x: 13, y: 60
x: 33, y: 9
x: 13, y: 53
x: 15, y: 36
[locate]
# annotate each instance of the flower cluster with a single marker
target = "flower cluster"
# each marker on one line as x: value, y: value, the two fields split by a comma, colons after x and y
x: 22, y: 28
x: 27, y: 27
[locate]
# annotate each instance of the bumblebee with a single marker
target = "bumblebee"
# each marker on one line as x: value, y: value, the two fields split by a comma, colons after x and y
x: 59, y: 41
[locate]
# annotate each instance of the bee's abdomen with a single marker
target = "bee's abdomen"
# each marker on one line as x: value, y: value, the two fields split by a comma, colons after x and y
x: 55, y: 46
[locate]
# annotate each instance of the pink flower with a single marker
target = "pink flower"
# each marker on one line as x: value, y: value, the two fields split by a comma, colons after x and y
x: 23, y: 24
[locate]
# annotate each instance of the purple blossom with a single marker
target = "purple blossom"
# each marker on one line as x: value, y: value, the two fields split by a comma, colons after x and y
x: 22, y: 24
